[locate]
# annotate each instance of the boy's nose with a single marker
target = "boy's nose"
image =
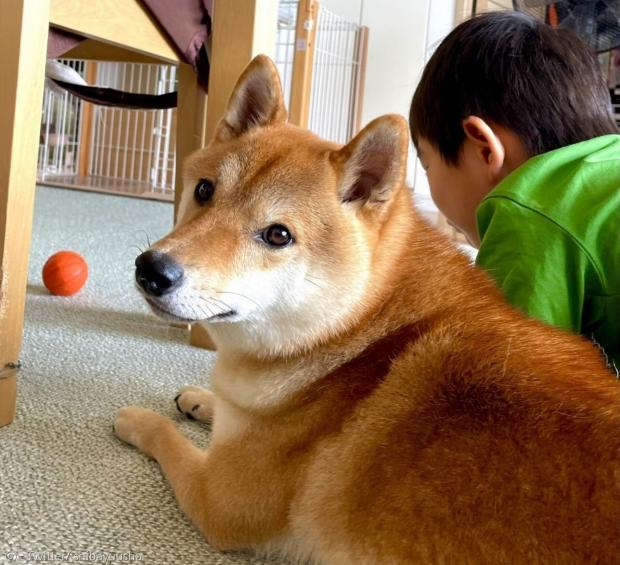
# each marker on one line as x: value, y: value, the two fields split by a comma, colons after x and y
x: 158, y: 273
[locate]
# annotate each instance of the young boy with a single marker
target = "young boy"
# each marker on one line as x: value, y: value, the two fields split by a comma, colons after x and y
x: 512, y: 122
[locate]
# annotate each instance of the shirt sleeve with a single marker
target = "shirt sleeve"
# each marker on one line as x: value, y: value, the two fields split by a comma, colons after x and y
x: 537, y: 265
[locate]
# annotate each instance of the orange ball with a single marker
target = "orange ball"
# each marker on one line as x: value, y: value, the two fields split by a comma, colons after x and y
x: 65, y: 273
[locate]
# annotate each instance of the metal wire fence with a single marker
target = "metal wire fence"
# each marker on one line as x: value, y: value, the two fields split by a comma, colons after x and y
x: 59, y: 141
x: 285, y: 44
x: 137, y: 145
x: 336, y: 73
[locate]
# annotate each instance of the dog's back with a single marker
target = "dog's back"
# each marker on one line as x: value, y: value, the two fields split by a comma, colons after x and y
x: 473, y: 435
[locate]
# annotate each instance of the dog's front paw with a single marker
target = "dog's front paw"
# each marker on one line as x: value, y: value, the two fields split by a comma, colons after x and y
x: 138, y: 426
x: 195, y: 402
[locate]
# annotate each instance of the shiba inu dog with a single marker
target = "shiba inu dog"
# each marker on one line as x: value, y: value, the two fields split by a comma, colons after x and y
x: 374, y: 399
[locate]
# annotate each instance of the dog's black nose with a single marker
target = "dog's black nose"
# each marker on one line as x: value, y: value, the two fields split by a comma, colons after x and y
x: 158, y: 273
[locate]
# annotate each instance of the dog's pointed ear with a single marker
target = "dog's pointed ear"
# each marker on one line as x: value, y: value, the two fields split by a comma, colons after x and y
x: 374, y: 162
x: 256, y: 100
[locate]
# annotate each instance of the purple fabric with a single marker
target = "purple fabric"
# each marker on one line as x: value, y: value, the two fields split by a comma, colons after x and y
x: 59, y: 42
x: 186, y: 22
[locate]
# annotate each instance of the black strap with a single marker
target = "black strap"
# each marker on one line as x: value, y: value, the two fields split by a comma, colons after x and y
x: 118, y: 98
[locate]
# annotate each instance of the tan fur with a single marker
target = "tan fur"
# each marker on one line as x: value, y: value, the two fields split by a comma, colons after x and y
x: 385, y: 405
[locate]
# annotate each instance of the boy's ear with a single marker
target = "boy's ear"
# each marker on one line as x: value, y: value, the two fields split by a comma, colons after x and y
x: 255, y: 101
x: 489, y: 147
x: 374, y: 162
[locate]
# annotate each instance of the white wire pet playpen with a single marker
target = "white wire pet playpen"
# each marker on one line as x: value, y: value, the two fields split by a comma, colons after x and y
x: 133, y: 152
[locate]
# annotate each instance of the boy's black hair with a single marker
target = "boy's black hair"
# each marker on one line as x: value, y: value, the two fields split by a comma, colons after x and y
x: 542, y: 83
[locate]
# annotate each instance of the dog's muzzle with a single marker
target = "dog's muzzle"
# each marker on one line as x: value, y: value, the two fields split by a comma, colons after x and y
x: 158, y: 273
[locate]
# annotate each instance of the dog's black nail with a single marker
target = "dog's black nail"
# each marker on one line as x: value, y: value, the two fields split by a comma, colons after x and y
x: 195, y: 407
x: 189, y: 415
x: 176, y: 401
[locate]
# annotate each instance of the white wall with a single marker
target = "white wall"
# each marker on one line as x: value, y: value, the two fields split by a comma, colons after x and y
x: 349, y: 9
x: 440, y: 22
x: 396, y: 50
x: 402, y: 35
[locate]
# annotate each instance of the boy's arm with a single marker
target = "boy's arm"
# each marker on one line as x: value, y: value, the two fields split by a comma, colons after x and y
x: 537, y: 265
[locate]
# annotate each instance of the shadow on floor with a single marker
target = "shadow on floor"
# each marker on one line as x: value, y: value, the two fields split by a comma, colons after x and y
x: 61, y: 310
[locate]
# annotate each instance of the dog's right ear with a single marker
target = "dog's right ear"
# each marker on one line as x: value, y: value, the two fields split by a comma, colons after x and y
x: 255, y: 101
x: 373, y: 164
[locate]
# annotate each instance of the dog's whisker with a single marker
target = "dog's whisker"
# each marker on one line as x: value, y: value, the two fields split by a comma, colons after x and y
x: 204, y: 299
x: 148, y: 239
x: 212, y: 311
x: 313, y: 282
x: 237, y: 294
x: 198, y: 312
x: 207, y: 305
x: 212, y: 302
x: 225, y: 305
x: 202, y: 312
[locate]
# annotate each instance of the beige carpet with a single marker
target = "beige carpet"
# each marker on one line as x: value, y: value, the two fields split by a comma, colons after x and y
x: 69, y: 489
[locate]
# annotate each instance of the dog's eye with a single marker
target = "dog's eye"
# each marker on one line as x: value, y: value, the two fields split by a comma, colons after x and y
x: 277, y: 235
x: 204, y: 191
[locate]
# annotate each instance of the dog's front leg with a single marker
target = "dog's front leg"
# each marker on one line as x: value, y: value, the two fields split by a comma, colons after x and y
x: 182, y: 463
x: 187, y: 468
x: 216, y: 488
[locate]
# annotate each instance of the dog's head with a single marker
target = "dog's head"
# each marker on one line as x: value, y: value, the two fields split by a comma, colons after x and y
x: 278, y: 231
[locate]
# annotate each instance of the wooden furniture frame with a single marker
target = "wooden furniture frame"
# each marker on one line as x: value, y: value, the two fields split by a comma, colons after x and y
x: 464, y: 8
x: 119, y: 30
x: 305, y: 36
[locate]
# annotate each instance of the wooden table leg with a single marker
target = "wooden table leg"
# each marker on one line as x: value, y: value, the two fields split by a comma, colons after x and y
x: 190, y: 128
x: 23, y: 44
x: 190, y: 131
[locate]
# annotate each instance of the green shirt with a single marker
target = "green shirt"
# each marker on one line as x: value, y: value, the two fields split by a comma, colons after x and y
x: 550, y: 236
